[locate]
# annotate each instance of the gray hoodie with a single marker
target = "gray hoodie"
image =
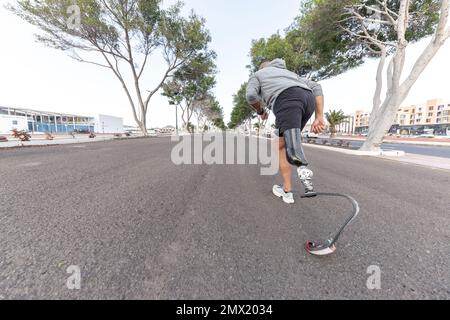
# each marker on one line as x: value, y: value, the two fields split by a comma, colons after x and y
x: 268, y: 83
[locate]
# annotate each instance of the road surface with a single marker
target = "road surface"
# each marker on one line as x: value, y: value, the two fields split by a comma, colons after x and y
x: 139, y: 227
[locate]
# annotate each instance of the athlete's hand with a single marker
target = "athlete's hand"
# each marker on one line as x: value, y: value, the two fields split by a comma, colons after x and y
x: 264, y: 116
x: 319, y: 125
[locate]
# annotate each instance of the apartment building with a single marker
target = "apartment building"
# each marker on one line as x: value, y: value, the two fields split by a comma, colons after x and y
x: 429, y: 117
x: 432, y: 117
x: 361, y: 122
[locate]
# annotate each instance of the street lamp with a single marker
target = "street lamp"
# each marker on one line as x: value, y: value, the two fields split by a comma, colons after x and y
x: 176, y: 115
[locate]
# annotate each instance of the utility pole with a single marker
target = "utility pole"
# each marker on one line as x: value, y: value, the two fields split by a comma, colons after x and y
x: 176, y: 118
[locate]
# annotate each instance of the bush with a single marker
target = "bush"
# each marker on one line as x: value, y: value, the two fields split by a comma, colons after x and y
x: 21, y: 135
x: 92, y: 135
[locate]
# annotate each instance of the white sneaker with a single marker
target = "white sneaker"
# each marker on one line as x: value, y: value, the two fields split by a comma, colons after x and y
x: 288, y: 197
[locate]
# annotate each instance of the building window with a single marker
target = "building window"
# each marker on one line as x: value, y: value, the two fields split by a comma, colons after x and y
x: 428, y: 120
x: 431, y: 108
x: 14, y: 123
x: 430, y: 114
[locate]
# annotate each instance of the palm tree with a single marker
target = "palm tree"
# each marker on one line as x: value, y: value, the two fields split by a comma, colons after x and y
x: 335, y: 118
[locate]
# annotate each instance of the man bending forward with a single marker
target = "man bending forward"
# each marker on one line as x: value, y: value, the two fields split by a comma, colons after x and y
x: 293, y: 100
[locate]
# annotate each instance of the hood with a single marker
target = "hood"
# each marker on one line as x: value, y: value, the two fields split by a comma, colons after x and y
x: 278, y: 63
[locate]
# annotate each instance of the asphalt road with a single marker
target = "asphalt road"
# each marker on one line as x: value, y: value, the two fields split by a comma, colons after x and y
x: 140, y: 227
x: 435, y: 151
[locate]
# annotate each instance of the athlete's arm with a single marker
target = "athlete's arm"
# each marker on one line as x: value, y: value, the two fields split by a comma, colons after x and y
x: 254, y: 98
x: 260, y: 110
x: 319, y: 124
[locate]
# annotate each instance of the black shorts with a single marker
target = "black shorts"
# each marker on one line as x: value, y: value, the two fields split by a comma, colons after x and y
x: 293, y: 109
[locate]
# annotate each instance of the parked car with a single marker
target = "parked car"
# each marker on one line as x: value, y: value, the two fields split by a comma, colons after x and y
x: 427, y: 135
x: 310, y: 135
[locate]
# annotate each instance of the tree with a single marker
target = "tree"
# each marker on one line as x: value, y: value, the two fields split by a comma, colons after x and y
x: 383, y: 29
x: 258, y: 126
x: 120, y: 33
x: 308, y: 50
x: 335, y: 118
x: 189, y: 88
x: 241, y: 112
x: 209, y: 112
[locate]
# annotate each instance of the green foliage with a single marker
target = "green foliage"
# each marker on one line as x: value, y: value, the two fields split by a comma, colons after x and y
x: 307, y: 50
x: 317, y: 46
x: 269, y: 49
x: 241, y: 110
x: 334, y: 31
x: 191, y: 81
x: 183, y: 36
x: 125, y: 32
x: 211, y: 109
x: 335, y: 118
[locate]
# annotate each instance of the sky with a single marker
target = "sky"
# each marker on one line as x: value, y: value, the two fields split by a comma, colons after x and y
x: 36, y: 77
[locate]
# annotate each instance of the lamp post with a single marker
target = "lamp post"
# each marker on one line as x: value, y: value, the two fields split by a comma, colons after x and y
x: 176, y: 119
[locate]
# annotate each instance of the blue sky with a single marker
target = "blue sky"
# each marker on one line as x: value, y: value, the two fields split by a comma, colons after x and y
x: 33, y: 76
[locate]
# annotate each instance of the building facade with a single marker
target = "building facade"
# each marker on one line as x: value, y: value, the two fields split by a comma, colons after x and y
x: 108, y: 124
x: 361, y: 122
x: 431, y: 117
x: 36, y: 121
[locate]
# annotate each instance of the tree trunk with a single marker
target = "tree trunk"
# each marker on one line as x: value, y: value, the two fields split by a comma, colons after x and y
x: 333, y: 132
x: 383, y: 117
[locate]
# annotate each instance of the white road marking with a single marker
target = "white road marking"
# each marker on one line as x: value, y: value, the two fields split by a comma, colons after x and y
x: 30, y: 164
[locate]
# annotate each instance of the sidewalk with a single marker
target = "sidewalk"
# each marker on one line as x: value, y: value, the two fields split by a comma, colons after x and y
x: 444, y: 142
x: 414, y: 159
x: 424, y: 161
x: 14, y: 143
x: 58, y: 139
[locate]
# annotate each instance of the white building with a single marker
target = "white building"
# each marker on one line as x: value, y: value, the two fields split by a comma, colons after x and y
x: 42, y: 121
x: 108, y: 124
x: 11, y: 122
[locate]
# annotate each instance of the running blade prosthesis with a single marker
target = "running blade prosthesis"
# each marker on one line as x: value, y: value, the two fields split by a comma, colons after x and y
x: 320, y: 248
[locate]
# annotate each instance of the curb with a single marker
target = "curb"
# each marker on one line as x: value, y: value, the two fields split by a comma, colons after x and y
x: 393, y: 153
x: 381, y: 153
x: 407, y: 142
x: 50, y: 143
